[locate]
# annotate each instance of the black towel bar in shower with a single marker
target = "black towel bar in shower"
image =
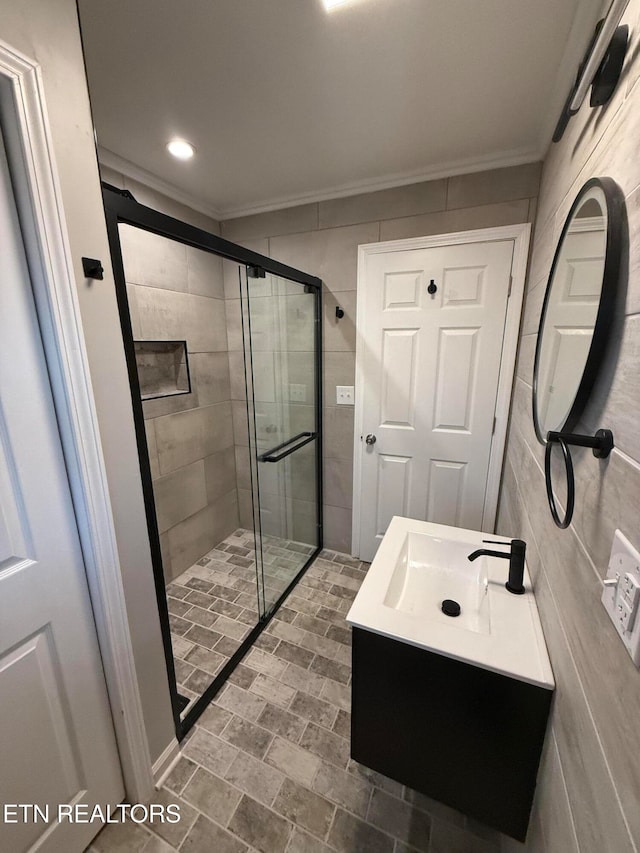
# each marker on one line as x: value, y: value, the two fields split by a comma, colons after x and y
x: 287, y: 447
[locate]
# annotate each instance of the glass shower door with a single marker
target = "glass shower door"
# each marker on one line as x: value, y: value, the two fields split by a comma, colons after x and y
x: 280, y: 322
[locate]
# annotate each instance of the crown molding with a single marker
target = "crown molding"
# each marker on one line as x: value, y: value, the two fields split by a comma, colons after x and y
x: 441, y: 170
x: 130, y: 170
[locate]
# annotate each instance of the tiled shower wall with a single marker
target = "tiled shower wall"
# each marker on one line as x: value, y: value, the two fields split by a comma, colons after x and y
x: 323, y: 239
x: 589, y: 787
x: 176, y: 292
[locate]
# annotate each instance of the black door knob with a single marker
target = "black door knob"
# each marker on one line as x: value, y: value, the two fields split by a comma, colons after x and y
x: 432, y: 287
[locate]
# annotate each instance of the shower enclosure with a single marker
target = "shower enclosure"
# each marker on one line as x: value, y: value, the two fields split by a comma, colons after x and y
x: 224, y: 359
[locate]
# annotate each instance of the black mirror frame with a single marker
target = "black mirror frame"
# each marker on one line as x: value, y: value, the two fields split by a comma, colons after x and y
x: 614, y: 199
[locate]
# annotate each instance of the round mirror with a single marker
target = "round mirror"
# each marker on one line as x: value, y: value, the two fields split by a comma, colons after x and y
x: 578, y: 307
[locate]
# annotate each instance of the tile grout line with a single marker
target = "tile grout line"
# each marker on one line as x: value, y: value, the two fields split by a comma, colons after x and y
x: 243, y: 793
x: 157, y: 835
x: 227, y: 782
x: 309, y: 787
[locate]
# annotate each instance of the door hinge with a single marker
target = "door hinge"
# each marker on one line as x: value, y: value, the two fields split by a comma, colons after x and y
x: 510, y: 286
x: 493, y: 428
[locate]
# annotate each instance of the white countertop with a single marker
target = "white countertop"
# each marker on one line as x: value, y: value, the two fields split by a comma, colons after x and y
x: 508, y: 639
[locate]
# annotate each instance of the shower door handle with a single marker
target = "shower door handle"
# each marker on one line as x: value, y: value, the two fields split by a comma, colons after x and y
x: 287, y: 447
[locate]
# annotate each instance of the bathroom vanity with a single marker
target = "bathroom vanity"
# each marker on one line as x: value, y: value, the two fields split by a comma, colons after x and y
x: 453, y: 706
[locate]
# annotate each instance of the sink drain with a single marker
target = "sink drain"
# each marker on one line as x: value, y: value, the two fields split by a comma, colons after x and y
x: 450, y: 607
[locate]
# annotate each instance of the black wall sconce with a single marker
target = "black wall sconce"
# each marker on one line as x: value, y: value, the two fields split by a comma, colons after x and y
x: 339, y: 312
x: 601, y: 66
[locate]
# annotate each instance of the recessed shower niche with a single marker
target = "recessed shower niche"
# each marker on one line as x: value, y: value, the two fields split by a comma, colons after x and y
x: 163, y: 368
x: 217, y: 338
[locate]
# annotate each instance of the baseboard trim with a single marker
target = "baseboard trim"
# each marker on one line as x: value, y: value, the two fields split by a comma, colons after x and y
x: 165, y: 763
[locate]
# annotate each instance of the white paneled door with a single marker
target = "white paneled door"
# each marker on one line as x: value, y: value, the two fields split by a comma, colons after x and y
x: 56, y: 733
x: 432, y: 323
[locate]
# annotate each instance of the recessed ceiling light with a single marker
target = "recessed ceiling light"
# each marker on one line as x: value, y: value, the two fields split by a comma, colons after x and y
x: 331, y: 4
x: 181, y: 149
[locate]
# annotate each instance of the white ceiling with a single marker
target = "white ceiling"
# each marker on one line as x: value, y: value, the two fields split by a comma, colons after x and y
x: 287, y: 103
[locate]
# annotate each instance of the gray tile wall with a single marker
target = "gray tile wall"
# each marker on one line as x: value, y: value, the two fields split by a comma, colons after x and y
x: 589, y: 788
x: 177, y: 293
x: 323, y: 239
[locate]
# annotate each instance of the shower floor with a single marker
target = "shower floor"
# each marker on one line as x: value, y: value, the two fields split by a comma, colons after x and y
x: 213, y: 605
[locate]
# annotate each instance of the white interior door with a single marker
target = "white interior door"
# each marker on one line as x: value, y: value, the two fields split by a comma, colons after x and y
x: 429, y: 372
x: 56, y: 735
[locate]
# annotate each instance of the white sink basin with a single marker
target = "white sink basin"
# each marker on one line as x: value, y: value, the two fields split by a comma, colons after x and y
x: 431, y: 569
x: 420, y: 564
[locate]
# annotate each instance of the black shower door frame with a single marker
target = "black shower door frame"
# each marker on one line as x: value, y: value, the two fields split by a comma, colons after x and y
x: 122, y: 208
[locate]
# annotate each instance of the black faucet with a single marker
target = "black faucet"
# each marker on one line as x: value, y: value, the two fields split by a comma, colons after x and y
x: 515, y: 555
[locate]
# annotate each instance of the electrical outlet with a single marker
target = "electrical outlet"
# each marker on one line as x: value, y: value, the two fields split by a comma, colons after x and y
x: 621, y: 595
x: 297, y: 393
x: 344, y: 395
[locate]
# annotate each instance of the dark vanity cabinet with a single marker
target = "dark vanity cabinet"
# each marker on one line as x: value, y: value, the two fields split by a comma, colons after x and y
x: 465, y: 736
